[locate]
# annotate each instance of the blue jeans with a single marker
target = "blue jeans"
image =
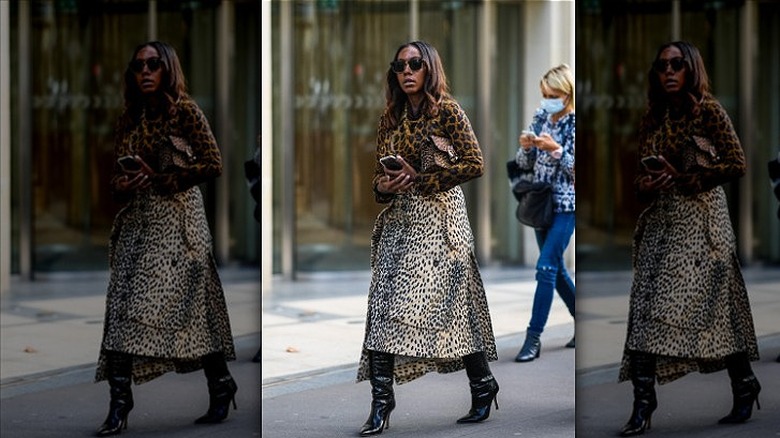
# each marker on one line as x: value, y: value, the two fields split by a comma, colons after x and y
x: 551, y: 270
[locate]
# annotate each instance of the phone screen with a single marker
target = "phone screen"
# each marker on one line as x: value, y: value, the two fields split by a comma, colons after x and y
x: 652, y: 163
x: 129, y: 164
x: 391, y: 163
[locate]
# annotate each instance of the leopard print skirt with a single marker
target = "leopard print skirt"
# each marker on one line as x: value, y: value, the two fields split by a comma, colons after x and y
x: 165, y: 304
x: 426, y: 302
x: 688, y: 305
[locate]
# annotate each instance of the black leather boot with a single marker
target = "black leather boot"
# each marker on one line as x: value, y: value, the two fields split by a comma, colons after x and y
x: 222, y: 389
x: 531, y: 348
x: 119, y: 369
x: 382, y: 396
x: 744, y: 387
x: 484, y: 388
x: 645, y: 401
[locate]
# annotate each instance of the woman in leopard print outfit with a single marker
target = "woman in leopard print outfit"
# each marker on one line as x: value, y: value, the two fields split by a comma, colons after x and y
x: 427, y: 309
x: 165, y: 307
x: 689, y: 309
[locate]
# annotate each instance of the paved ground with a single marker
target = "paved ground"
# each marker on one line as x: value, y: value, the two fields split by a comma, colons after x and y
x: 68, y: 404
x: 535, y: 399
x: 312, y: 331
x: 318, y: 322
x: 688, y: 407
x: 50, y: 333
x: 311, y: 335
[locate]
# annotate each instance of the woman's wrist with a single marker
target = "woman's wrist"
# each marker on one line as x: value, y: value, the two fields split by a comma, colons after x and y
x: 381, y: 193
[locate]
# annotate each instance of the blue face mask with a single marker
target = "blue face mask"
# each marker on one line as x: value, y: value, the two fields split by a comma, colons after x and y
x: 552, y: 106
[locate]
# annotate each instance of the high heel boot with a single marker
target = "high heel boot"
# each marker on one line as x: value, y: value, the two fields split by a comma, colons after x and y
x: 222, y: 389
x: 484, y: 388
x: 645, y: 401
x: 119, y: 370
x: 531, y: 347
x: 382, y: 395
x: 744, y: 387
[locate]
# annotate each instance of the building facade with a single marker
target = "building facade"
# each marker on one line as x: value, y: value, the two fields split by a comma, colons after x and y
x: 60, y: 94
x: 740, y: 44
x: 326, y: 80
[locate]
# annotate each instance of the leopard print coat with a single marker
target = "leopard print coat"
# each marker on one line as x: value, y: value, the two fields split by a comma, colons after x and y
x: 165, y: 304
x: 426, y: 301
x: 689, y: 305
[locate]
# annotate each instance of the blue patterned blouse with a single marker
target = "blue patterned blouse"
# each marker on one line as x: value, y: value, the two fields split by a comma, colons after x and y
x: 541, y: 166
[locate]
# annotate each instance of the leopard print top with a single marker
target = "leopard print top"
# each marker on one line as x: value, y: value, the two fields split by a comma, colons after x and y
x: 147, y: 137
x: 408, y: 137
x: 673, y: 138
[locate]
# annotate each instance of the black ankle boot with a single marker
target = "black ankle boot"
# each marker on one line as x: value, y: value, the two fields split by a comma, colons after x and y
x: 119, y: 369
x: 744, y: 387
x: 531, y: 348
x: 221, y: 392
x: 745, y: 394
x: 645, y: 401
x: 484, y: 388
x: 222, y: 388
x: 382, y: 396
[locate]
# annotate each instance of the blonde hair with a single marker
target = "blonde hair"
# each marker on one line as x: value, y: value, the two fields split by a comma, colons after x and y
x: 560, y: 78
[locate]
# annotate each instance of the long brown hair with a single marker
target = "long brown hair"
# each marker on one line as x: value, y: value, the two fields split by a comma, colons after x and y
x: 695, y: 88
x: 173, y: 86
x: 435, y: 86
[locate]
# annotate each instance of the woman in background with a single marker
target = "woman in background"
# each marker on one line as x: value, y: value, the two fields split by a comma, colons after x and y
x: 547, y: 152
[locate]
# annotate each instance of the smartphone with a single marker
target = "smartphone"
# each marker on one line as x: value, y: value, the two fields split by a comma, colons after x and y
x: 652, y: 163
x: 391, y: 162
x: 531, y: 133
x: 129, y: 164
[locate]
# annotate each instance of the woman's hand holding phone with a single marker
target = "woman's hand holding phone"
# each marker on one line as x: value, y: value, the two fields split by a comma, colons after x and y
x: 136, y: 174
x: 396, y: 180
x: 527, y: 139
x: 543, y: 142
x: 660, y: 174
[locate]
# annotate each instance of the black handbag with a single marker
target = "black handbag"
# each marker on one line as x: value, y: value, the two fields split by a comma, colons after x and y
x: 534, y: 204
x: 534, y: 200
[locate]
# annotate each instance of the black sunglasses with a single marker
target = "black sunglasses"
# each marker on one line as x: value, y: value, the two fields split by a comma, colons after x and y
x: 677, y: 64
x: 137, y: 65
x: 399, y: 65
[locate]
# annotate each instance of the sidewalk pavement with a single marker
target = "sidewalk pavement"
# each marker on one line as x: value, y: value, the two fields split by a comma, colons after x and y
x: 688, y: 407
x: 312, y: 336
x: 317, y: 323
x: 50, y: 333
x: 54, y: 325
x: 602, y: 309
x: 312, y: 331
